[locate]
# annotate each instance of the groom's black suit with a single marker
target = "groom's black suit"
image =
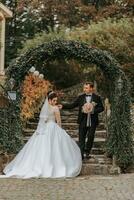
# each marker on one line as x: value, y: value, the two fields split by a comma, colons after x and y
x: 82, y: 120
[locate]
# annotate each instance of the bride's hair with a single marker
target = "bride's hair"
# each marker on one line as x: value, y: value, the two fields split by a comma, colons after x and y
x: 51, y: 95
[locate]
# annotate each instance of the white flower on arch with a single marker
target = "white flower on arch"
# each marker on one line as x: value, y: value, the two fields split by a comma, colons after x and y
x: 36, y: 73
x: 41, y: 76
x: 32, y: 69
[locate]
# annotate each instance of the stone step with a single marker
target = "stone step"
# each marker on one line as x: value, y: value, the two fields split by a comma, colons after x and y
x: 75, y: 110
x: 69, y: 113
x: 98, y: 164
x: 98, y: 142
x: 66, y: 125
x: 68, y: 120
x: 98, y: 134
x: 96, y: 169
x: 69, y: 97
x: 98, y: 151
x: 64, y: 119
x: 65, y: 112
x: 72, y: 133
x: 74, y: 128
x: 97, y: 159
x: 67, y: 117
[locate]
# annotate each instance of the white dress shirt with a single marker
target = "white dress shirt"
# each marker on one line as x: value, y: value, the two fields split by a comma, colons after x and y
x: 88, y: 100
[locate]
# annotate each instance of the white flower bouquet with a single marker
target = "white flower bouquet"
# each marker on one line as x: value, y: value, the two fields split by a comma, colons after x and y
x: 88, y: 107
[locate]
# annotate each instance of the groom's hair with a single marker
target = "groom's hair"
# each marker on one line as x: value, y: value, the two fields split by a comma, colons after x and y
x: 89, y: 83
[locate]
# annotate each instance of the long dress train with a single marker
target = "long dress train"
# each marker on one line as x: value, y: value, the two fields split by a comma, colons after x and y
x: 50, y: 152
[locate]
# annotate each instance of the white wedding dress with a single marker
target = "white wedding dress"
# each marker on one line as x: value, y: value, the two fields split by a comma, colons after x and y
x: 50, y: 152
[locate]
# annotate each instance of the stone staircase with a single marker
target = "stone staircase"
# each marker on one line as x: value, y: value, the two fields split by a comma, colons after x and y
x: 99, y: 164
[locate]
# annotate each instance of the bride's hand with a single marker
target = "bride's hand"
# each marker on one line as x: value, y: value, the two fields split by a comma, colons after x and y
x: 60, y: 106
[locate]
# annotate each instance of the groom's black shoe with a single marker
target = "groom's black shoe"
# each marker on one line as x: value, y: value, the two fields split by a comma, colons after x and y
x: 82, y: 157
x: 88, y: 156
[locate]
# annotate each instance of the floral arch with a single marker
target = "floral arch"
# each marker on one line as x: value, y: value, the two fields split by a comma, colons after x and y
x: 119, y: 141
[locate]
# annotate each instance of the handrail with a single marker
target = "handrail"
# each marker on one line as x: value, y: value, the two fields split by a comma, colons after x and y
x: 107, y: 113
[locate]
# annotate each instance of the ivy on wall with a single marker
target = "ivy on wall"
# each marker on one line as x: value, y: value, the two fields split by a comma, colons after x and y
x: 11, y: 139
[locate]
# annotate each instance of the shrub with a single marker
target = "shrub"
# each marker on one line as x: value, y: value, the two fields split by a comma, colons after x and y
x: 115, y: 36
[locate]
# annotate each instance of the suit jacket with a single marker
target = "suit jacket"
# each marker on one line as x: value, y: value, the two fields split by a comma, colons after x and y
x: 82, y: 117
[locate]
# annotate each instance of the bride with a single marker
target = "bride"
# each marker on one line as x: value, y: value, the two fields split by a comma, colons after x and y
x: 50, y: 152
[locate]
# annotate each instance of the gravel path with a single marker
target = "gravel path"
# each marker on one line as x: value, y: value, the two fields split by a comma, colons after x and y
x: 81, y: 188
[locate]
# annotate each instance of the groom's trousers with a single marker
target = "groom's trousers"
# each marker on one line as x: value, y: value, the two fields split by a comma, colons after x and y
x: 86, y: 133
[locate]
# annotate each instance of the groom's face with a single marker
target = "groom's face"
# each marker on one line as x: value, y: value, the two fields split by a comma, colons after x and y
x: 87, y: 88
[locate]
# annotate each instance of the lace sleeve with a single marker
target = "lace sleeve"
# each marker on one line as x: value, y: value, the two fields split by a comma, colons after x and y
x: 57, y: 115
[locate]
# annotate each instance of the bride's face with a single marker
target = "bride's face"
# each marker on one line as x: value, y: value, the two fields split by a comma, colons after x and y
x: 53, y: 101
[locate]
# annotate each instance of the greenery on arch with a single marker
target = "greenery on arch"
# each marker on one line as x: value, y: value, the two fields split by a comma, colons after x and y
x: 11, y: 138
x: 119, y: 143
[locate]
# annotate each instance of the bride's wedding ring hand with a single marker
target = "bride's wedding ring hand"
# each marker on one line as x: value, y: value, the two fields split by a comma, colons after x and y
x: 60, y: 106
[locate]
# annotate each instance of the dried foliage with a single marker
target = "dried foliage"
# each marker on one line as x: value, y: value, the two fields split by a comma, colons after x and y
x: 34, y: 89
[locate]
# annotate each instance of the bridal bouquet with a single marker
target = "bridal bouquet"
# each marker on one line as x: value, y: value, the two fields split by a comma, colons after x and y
x: 88, y: 107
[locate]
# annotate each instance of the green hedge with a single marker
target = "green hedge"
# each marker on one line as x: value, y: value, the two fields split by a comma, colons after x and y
x: 11, y: 139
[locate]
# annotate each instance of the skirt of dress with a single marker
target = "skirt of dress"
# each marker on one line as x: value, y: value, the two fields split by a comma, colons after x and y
x: 50, y: 153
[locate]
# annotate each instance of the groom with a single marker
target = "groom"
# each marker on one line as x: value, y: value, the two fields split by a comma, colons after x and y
x: 87, y: 121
